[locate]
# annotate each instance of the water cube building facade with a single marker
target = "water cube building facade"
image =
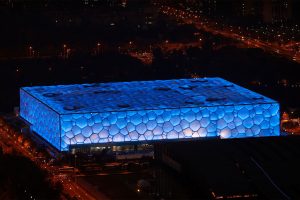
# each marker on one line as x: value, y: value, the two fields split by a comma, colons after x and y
x: 147, y: 111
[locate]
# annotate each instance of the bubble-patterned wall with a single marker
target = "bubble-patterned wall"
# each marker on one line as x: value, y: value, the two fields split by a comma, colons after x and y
x: 45, y: 121
x: 225, y: 110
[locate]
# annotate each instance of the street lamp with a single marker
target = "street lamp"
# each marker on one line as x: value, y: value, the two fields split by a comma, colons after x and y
x: 30, y: 51
x: 64, y: 50
x: 130, y: 45
x: 98, y: 48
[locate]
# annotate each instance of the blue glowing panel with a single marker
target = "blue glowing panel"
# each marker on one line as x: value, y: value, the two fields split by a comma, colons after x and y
x: 222, y: 121
x: 45, y: 121
x: 151, y: 110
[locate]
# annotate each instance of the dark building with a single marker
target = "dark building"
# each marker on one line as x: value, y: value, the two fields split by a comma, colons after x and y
x: 267, y: 11
x: 277, y: 11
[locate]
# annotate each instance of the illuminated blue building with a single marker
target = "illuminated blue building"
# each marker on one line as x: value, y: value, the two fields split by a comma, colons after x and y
x: 147, y: 110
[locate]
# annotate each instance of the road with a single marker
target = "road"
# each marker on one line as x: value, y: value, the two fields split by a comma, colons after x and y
x: 211, y: 27
x: 8, y: 140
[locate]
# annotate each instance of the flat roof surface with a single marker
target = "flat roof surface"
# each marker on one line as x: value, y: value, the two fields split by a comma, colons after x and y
x: 144, y: 95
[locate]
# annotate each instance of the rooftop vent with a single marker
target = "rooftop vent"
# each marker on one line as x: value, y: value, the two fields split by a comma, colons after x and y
x: 195, y: 102
x: 257, y: 98
x: 72, y: 108
x: 187, y: 87
x: 106, y: 92
x: 52, y: 94
x: 162, y: 88
x: 123, y: 105
x: 211, y: 99
x: 227, y: 86
x: 189, y: 102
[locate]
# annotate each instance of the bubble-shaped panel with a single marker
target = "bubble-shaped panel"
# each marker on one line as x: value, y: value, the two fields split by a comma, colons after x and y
x: 87, y: 131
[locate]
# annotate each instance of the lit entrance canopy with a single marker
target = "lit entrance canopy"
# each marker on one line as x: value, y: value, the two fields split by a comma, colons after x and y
x: 147, y: 110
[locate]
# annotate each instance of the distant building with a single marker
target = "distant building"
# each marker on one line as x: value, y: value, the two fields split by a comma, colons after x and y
x: 277, y: 11
x: 147, y: 111
x: 210, y: 7
x: 268, y: 11
x: 248, y: 8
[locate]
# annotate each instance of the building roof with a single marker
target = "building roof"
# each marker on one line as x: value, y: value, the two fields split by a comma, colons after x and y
x: 144, y: 95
